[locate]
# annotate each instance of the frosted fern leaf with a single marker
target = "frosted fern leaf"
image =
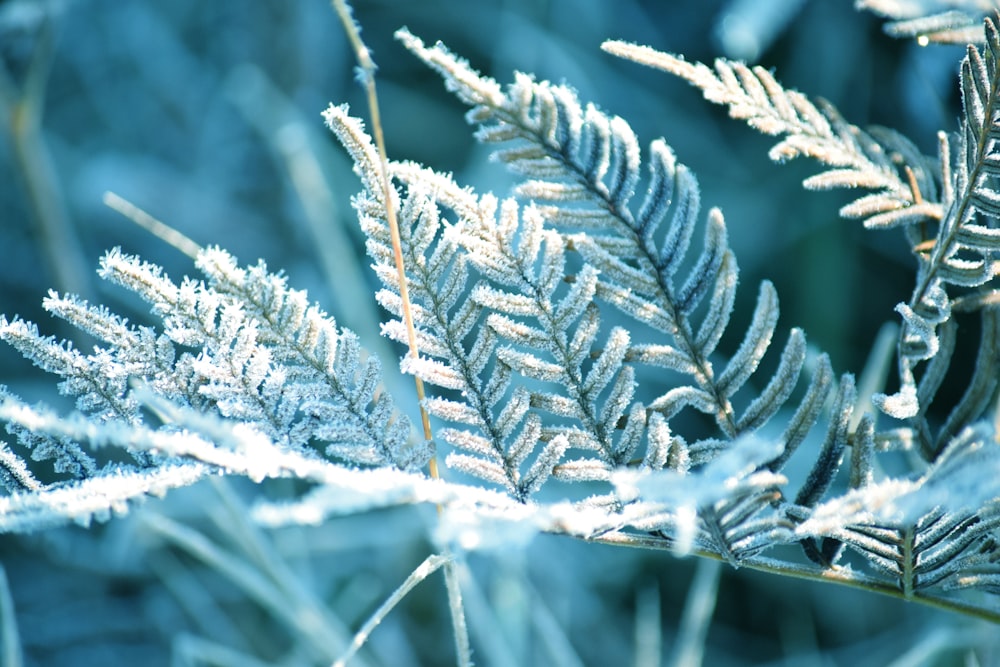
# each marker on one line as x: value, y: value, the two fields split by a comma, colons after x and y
x: 941, y: 21
x: 529, y: 356
x: 877, y: 161
x: 491, y: 280
x: 934, y: 530
x: 242, y: 346
x: 462, y: 308
x: 546, y: 335
x: 958, y: 267
x: 948, y: 215
x: 582, y: 167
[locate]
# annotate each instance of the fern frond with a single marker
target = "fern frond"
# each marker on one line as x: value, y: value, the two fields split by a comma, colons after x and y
x: 466, y: 352
x: 495, y: 308
x: 511, y: 247
x: 962, y: 258
x: 270, y: 358
x: 854, y: 158
x: 99, y: 381
x: 583, y: 167
x: 262, y: 357
x: 928, y: 531
x: 929, y: 21
x: 961, y: 253
x: 337, y: 388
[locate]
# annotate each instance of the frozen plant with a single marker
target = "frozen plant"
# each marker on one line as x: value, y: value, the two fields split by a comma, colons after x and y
x: 568, y: 332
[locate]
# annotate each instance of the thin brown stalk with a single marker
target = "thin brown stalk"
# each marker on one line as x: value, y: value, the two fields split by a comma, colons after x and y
x: 367, y: 75
x: 161, y: 230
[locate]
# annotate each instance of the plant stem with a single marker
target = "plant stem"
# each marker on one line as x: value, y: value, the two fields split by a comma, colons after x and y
x: 22, y: 107
x: 689, y: 649
x: 10, y: 641
x: 366, y: 69
x: 422, y: 571
x: 838, y: 575
x: 159, y: 229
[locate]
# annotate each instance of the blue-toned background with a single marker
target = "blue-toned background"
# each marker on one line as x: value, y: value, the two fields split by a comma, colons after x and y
x: 207, y: 115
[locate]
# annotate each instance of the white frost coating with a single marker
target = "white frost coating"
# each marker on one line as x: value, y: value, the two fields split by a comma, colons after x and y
x: 710, y: 484
x: 673, y: 499
x: 97, y: 497
x: 965, y: 477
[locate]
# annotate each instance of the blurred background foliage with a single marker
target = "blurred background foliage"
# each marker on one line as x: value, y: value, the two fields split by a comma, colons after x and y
x: 207, y: 115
